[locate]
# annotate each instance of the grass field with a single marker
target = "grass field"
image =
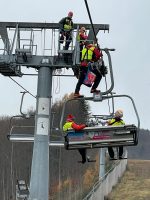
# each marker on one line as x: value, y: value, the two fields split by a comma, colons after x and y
x: 135, y: 184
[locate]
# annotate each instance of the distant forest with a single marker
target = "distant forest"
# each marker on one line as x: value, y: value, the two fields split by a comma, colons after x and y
x: 69, y: 179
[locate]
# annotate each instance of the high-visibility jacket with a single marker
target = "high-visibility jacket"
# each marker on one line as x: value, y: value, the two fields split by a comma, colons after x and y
x: 67, y: 126
x: 72, y: 125
x: 66, y: 23
x: 87, y: 53
x: 116, y: 122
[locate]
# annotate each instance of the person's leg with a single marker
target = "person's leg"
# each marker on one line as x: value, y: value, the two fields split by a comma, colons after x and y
x: 97, y: 79
x: 68, y: 40
x: 111, y: 152
x: 83, y: 71
x: 61, y: 39
x: 83, y: 154
x: 120, y: 152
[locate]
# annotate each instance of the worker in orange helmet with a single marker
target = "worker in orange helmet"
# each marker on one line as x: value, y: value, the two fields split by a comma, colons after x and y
x: 66, y: 27
x: 70, y: 124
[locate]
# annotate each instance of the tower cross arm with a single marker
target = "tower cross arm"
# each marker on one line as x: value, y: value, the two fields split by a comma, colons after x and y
x: 45, y: 25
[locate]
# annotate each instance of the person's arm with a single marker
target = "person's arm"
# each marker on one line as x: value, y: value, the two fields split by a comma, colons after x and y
x: 78, y: 127
x: 61, y: 23
x: 83, y: 36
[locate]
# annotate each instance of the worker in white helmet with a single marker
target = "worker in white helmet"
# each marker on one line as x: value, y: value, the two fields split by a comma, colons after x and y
x: 116, y: 121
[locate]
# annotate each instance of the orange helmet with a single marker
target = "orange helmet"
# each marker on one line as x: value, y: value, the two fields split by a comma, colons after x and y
x: 70, y: 14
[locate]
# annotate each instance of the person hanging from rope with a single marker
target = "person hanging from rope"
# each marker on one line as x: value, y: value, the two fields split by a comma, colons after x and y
x: 116, y: 121
x: 92, y: 68
x: 66, y: 27
x: 70, y: 124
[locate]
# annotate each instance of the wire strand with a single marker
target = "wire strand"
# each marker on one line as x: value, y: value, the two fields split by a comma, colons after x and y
x: 22, y: 87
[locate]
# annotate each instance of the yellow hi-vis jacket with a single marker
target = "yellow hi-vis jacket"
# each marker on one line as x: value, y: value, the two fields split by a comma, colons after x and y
x: 114, y: 122
x: 67, y: 126
x: 87, y: 53
x: 68, y: 25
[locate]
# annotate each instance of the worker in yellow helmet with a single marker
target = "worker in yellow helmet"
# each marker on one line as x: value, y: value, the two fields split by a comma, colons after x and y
x: 116, y: 121
x: 66, y: 27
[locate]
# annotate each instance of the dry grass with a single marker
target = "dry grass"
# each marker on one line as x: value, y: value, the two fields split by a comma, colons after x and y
x: 135, y: 184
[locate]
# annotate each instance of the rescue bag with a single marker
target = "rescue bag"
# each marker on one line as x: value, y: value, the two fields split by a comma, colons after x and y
x: 89, y: 78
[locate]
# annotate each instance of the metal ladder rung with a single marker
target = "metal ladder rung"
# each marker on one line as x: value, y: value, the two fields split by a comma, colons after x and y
x: 24, y: 51
x: 65, y: 51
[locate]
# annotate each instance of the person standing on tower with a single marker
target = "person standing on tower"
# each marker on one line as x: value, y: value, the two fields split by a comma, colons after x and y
x: 116, y: 121
x: 66, y: 27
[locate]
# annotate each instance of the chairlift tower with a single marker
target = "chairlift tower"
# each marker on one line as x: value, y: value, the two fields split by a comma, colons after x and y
x: 22, y: 52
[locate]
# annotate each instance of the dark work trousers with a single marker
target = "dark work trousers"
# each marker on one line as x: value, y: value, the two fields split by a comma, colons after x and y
x: 83, y: 72
x: 111, y: 152
x: 68, y: 38
x: 83, y: 154
x: 81, y: 48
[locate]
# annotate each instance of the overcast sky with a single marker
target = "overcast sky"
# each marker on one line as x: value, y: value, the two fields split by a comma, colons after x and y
x: 129, y: 34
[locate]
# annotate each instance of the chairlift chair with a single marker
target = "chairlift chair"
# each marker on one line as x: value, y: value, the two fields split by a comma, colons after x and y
x: 102, y: 136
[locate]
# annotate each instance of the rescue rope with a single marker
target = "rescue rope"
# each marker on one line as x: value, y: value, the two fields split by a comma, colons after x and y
x: 57, y: 89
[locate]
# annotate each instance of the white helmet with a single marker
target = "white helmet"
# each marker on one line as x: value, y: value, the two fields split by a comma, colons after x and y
x: 119, y: 113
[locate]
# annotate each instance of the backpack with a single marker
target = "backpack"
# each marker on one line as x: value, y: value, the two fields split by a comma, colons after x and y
x: 96, y: 54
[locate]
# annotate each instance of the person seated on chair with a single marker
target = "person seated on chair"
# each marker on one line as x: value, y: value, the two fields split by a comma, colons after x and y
x: 116, y: 121
x: 70, y: 124
x: 66, y: 27
x: 90, y: 59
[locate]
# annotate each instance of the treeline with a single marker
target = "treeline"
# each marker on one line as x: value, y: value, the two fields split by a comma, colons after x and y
x: 68, y: 178
x: 141, y: 151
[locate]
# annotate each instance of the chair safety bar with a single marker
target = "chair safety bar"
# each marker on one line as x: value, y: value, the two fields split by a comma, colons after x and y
x: 102, y: 136
x: 30, y: 138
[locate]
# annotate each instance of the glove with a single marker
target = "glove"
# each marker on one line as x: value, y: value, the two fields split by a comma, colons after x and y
x: 104, y: 70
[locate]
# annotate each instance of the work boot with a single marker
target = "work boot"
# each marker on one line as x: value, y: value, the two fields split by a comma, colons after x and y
x: 95, y: 91
x: 83, y: 161
x: 77, y: 95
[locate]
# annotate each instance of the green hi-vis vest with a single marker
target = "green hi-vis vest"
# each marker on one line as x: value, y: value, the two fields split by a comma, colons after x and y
x: 114, y: 122
x: 67, y: 126
x: 87, y: 53
x: 67, y: 25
